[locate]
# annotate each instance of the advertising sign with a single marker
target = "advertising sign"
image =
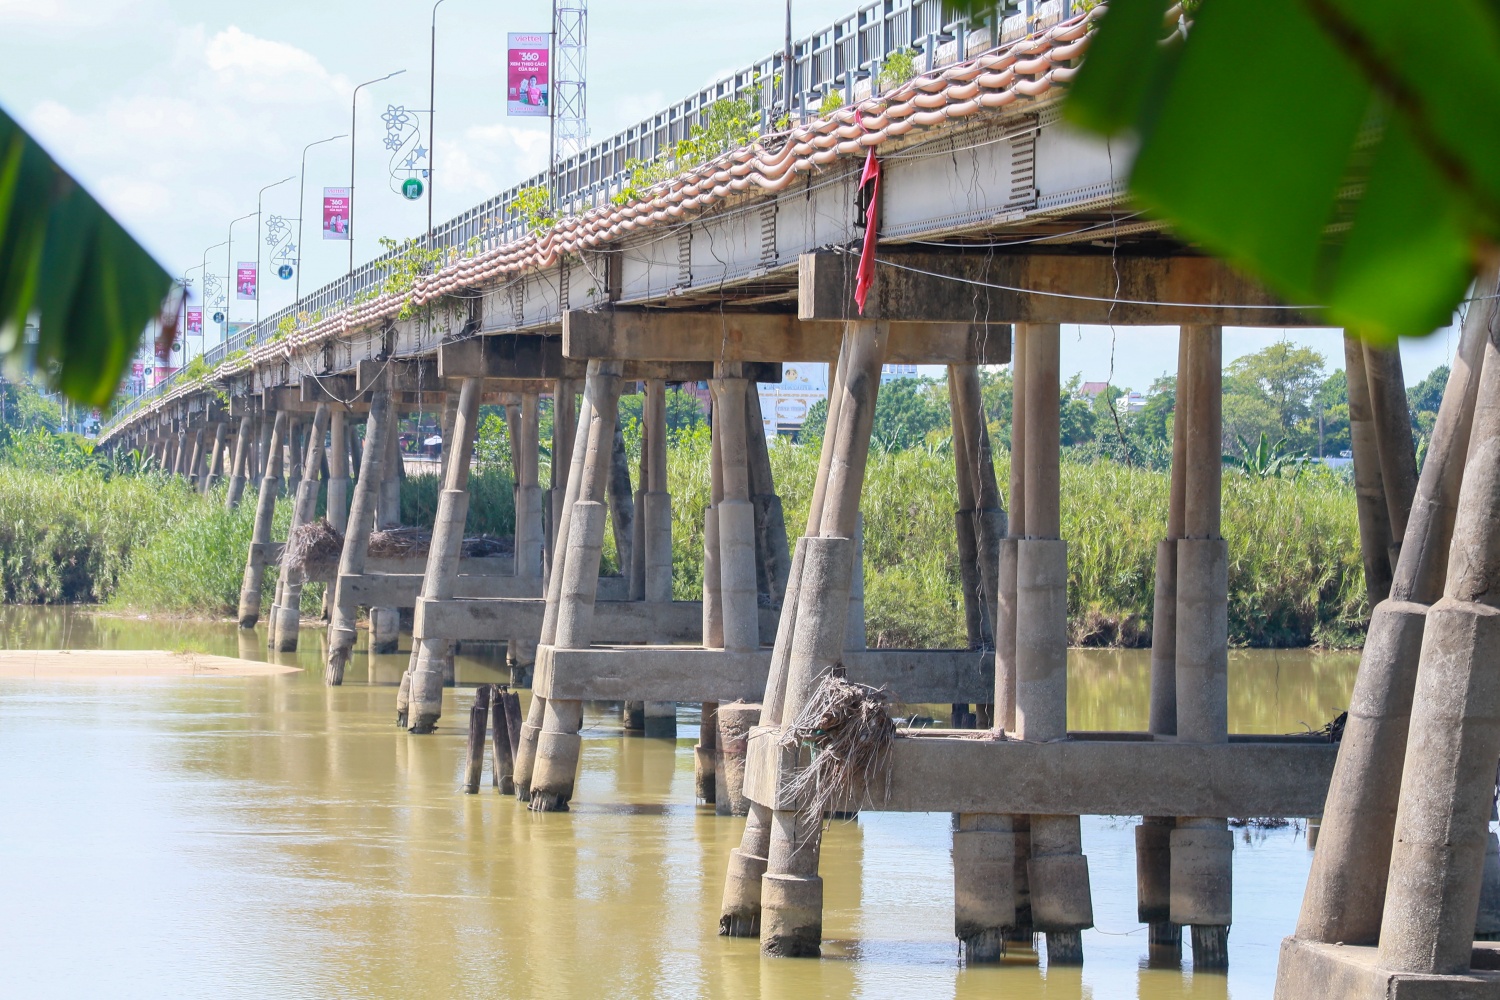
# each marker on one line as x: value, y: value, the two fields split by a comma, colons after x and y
x: 195, y: 322
x: 528, y: 79
x: 336, y: 209
x: 244, y: 281
x: 784, y: 407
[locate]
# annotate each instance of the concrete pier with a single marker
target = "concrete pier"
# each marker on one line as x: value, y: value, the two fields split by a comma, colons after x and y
x: 341, y: 630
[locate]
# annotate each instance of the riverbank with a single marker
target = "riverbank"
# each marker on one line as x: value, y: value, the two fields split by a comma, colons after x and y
x: 148, y: 542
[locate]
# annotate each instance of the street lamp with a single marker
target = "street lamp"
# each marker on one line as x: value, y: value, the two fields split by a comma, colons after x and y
x: 786, y: 68
x: 258, y: 199
x: 353, y: 101
x: 205, y: 285
x: 185, y: 304
x: 432, y: 119
x: 302, y: 207
x: 229, y: 289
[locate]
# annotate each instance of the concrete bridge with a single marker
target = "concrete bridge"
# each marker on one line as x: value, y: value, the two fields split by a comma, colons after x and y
x: 994, y: 224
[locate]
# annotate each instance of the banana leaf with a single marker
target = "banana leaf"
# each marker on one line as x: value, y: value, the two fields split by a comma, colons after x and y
x: 66, y: 261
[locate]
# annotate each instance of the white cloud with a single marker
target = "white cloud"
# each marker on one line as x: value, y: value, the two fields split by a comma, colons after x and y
x: 261, y: 69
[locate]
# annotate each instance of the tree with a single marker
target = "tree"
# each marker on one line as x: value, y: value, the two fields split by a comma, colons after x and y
x: 1076, y: 416
x: 1331, y: 403
x: 67, y: 260
x: 22, y: 407
x: 1427, y: 395
x: 907, y: 410
x: 1271, y: 392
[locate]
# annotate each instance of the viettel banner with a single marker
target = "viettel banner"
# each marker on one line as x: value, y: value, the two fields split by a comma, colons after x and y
x: 528, y: 75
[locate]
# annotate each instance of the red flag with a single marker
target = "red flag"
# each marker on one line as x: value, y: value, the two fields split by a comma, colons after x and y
x: 870, y: 180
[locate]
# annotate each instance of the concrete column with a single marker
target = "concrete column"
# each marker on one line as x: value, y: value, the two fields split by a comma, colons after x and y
x: 1448, y: 777
x: 1005, y: 615
x: 265, y: 509
x: 738, y: 618
x: 296, y: 428
x: 215, y: 457
x: 713, y: 613
x: 338, y: 470
x: 791, y: 889
x: 385, y: 622
x: 740, y: 908
x: 559, y: 744
x: 288, y: 615
x: 656, y: 509
x: 1390, y: 418
x: 1346, y: 887
x: 426, y: 700
x: 636, y: 571
x: 530, y: 533
x: 341, y: 631
x: 564, y: 431
x: 1041, y: 557
x: 734, y: 722
x: 773, y: 557
x: 1369, y: 487
x: 621, y: 503
x: 1153, y: 837
x: 1061, y: 904
x: 531, y: 731
x: 1202, y: 847
x: 244, y: 449
x: 263, y: 446
x: 855, y: 635
x: 195, y: 473
x: 984, y: 884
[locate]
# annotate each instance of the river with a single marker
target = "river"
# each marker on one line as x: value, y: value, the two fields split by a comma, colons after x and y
x: 272, y: 837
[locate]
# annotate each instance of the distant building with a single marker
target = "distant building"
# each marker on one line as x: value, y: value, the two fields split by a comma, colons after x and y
x: 1130, y: 402
x: 1090, y: 390
x: 889, y: 373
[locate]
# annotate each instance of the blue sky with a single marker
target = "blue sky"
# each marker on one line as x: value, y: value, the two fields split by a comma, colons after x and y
x: 176, y: 113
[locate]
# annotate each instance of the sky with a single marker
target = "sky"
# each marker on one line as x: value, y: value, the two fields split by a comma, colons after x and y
x: 176, y: 114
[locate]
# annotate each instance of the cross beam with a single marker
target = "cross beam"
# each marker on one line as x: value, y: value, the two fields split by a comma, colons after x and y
x: 766, y: 337
x: 1036, y: 288
x: 505, y: 358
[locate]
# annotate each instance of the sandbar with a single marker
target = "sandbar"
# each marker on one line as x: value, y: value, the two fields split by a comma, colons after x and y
x: 56, y: 663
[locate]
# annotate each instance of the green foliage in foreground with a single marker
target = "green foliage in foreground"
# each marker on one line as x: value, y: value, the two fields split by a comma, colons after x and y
x: 149, y: 542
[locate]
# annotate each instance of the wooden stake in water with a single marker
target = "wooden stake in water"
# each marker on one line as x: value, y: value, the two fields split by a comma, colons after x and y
x: 503, y: 761
x: 478, y: 722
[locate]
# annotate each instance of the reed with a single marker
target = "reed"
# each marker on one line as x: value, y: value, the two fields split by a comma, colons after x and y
x: 149, y: 542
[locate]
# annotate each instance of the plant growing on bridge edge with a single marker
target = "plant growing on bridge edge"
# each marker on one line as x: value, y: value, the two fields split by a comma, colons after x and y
x: 899, y: 66
x: 533, y: 204
x: 832, y: 101
x: 411, y: 260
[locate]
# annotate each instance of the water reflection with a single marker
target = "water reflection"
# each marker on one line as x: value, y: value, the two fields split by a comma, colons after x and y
x: 273, y: 837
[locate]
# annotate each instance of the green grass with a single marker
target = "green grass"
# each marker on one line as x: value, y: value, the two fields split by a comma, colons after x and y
x: 148, y: 542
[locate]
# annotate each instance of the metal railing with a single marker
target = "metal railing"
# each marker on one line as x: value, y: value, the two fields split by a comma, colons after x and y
x: 846, y: 56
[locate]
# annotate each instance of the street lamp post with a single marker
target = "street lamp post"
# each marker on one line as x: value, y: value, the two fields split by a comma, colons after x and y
x: 205, y: 290
x: 302, y: 208
x: 229, y: 289
x: 353, y: 102
x: 258, y: 199
x: 432, y: 119
x: 786, y: 68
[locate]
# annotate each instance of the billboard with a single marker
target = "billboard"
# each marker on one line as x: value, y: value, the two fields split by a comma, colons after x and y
x: 336, y: 211
x: 244, y: 279
x: 528, y: 83
x: 195, y: 322
x: 784, y: 406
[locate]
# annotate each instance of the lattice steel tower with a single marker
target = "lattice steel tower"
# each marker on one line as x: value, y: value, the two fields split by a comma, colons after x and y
x: 570, y: 31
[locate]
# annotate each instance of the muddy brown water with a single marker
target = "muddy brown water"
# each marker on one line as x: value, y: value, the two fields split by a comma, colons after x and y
x: 271, y: 837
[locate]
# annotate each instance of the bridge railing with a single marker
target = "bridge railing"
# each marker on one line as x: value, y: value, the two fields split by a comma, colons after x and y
x: 839, y: 57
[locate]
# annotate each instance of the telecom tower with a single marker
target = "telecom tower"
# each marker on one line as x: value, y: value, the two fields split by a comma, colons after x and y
x: 570, y: 30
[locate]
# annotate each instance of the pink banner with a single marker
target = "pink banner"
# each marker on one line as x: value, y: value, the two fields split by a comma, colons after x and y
x: 336, y: 211
x: 195, y: 322
x: 528, y: 84
x: 244, y: 282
